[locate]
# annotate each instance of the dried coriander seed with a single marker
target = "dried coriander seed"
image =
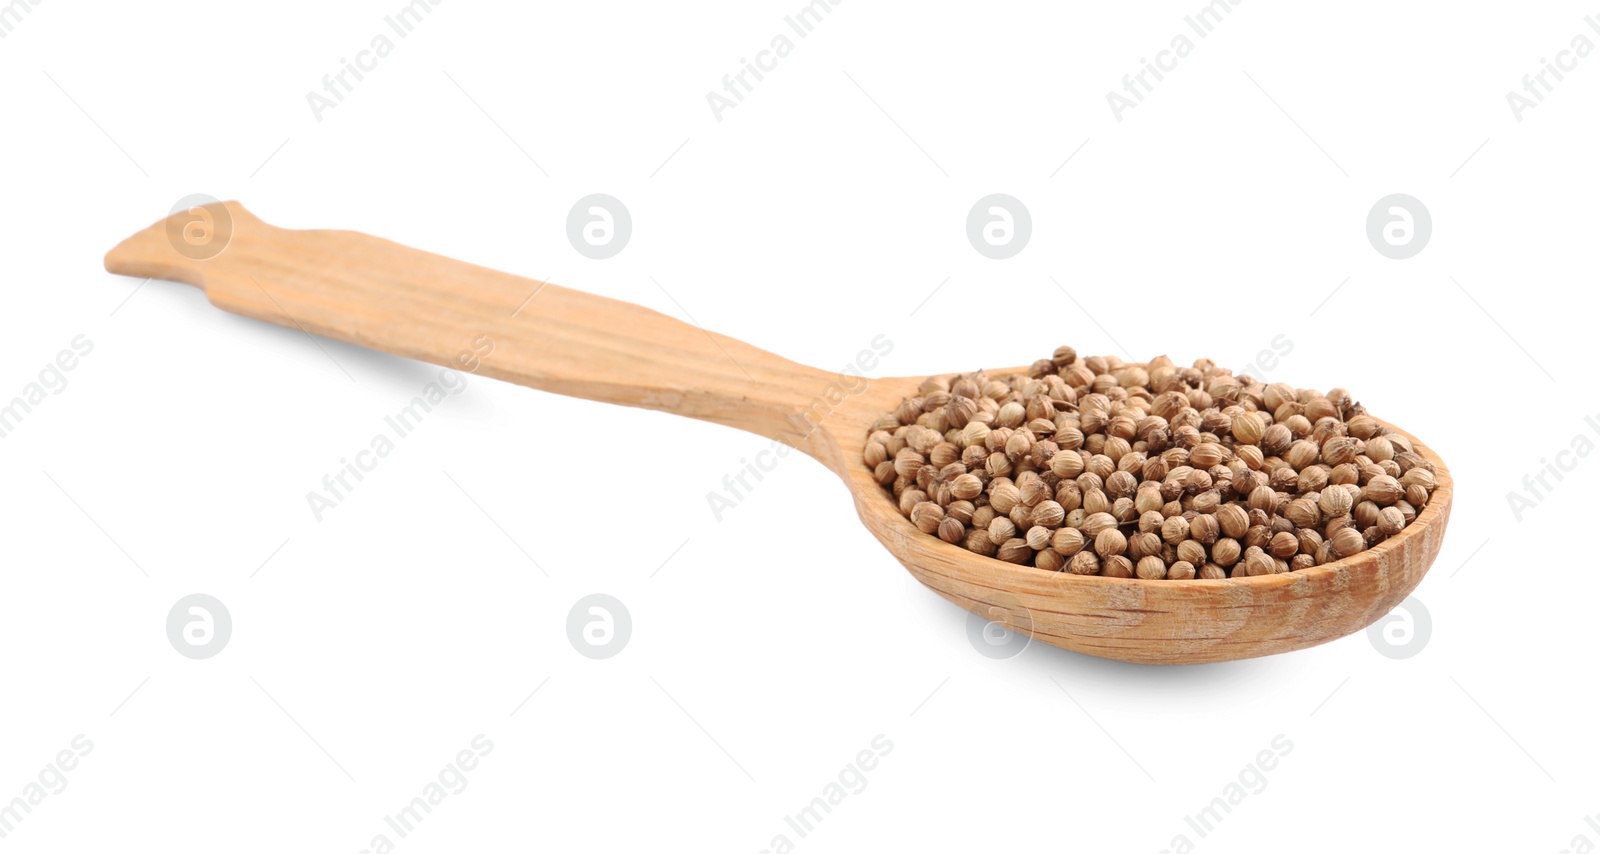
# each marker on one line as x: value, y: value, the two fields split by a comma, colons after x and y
x: 967, y: 487
x: 1192, y: 552
x: 1110, y: 542
x: 1334, y: 502
x: 1001, y: 530
x: 952, y: 530
x: 1039, y: 537
x: 1146, y: 470
x: 1391, y: 521
x: 1097, y: 523
x: 1205, y: 529
x: 1150, y: 522
x: 1233, y: 520
x: 1004, y: 498
x: 1117, y: 566
x: 1175, y: 529
x: 1384, y: 490
x: 1067, y: 541
x: 1284, y: 544
x: 1049, y: 514
x: 1150, y: 568
x: 1347, y: 542
x: 927, y: 516
x: 978, y: 541
x: 1226, y: 552
x: 1015, y: 551
x: 1303, y: 512
x: 1257, y: 562
x: 1144, y: 545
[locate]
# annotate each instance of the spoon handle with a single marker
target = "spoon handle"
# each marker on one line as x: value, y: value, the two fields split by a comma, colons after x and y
x: 378, y: 294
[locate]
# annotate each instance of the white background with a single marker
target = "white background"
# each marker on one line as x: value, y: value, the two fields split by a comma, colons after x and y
x: 369, y: 648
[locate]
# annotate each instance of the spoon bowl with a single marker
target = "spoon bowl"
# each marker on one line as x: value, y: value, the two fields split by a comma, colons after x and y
x: 1132, y: 619
x: 379, y: 294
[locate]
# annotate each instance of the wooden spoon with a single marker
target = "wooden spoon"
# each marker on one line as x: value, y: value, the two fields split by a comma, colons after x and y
x: 379, y: 294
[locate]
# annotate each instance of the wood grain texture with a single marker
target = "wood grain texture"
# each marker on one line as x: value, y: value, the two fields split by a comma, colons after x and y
x: 378, y: 294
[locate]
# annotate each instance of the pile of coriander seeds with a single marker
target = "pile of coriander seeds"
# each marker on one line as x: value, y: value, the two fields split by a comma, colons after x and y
x: 1094, y: 466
